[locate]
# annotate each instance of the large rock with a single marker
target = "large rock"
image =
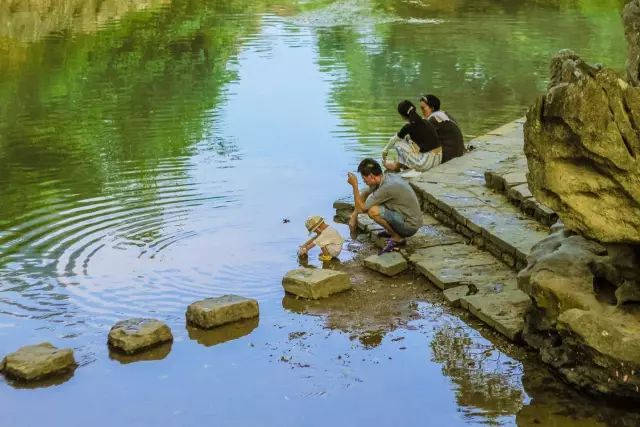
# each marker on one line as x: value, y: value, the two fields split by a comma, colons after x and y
x: 135, y: 335
x: 631, y: 18
x: 314, y: 283
x: 212, y: 312
x: 35, y: 362
x: 575, y: 322
x: 582, y: 142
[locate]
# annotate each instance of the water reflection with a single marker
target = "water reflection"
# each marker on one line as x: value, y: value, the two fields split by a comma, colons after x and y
x: 224, y: 333
x: 375, y: 306
x: 483, y: 382
x: 152, y: 354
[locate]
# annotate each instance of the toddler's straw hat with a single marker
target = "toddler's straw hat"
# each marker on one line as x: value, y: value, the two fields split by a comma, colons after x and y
x: 313, y: 222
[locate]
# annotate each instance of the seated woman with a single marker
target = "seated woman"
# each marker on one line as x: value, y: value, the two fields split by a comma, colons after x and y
x: 448, y: 130
x: 416, y: 143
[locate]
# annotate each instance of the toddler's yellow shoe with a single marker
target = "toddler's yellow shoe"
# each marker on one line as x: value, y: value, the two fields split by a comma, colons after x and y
x: 325, y: 258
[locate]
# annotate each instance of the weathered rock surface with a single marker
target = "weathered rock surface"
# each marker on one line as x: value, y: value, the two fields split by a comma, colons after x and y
x: 575, y: 322
x: 499, y: 306
x: 315, y: 283
x: 631, y: 19
x: 212, y: 312
x: 582, y: 142
x: 34, y: 362
x: 388, y: 264
x: 134, y: 335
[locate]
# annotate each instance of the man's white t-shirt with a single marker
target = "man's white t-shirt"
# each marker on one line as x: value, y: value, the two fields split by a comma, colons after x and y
x: 331, y: 239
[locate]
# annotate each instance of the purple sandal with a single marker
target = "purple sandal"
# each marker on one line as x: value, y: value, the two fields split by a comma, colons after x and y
x: 392, y: 246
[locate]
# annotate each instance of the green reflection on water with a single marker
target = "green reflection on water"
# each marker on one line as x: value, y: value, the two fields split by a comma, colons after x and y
x: 486, y: 59
x: 74, y: 107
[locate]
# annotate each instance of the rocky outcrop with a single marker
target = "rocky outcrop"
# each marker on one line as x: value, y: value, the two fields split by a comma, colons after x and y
x: 577, y: 321
x: 631, y: 18
x: 34, y: 362
x: 134, y: 335
x: 582, y: 142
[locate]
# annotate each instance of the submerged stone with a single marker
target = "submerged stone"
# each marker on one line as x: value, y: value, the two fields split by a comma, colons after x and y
x: 135, y: 335
x: 34, y: 362
x: 212, y: 312
x: 388, y: 264
x: 314, y: 283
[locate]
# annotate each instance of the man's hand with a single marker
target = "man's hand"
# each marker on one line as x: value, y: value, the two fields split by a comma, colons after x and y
x: 352, y: 180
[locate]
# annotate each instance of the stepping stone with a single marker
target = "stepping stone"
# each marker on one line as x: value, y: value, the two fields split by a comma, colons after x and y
x: 34, y: 362
x: 503, y: 309
x: 343, y: 204
x: 135, y: 335
x: 314, y: 283
x: 388, y: 264
x: 212, y: 312
x: 455, y: 265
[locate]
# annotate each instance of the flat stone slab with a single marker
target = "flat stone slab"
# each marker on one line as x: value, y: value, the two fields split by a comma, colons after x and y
x: 314, y: 283
x: 456, y: 265
x: 501, y: 308
x: 134, y: 335
x: 34, y: 362
x: 388, y: 264
x: 212, y: 312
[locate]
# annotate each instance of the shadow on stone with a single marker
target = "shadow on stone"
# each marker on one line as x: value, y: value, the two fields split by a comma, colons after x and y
x: 221, y: 334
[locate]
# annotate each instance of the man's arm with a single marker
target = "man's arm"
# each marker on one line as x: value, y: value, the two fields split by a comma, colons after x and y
x: 358, y: 199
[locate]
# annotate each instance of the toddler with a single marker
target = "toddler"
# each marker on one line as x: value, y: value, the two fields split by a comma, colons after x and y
x: 327, y: 238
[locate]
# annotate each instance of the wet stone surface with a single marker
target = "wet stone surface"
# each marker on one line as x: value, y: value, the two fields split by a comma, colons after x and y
x: 134, y: 335
x: 34, y: 362
x: 212, y: 312
x: 314, y: 283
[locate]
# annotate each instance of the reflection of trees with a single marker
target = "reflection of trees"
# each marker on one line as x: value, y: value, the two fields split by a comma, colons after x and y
x: 475, y: 368
x: 29, y: 20
x: 486, y: 59
x: 74, y: 107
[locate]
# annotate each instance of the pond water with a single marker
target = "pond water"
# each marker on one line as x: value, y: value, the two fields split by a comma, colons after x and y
x: 150, y: 151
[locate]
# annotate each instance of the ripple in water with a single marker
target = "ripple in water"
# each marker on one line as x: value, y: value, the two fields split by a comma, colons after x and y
x: 47, y: 253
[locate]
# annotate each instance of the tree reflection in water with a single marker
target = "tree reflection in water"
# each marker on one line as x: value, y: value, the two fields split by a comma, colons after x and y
x: 484, y: 379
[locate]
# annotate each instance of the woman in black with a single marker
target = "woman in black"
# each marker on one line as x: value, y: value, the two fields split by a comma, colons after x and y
x: 416, y: 143
x: 448, y: 131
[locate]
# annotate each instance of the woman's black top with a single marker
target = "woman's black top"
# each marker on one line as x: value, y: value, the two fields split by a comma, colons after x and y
x: 422, y: 133
x: 450, y: 137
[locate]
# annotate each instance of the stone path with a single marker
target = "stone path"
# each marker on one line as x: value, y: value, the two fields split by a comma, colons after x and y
x: 476, y: 233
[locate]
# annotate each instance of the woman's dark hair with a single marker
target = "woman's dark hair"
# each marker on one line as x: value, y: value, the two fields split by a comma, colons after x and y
x: 432, y: 101
x: 408, y: 111
x: 369, y: 166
